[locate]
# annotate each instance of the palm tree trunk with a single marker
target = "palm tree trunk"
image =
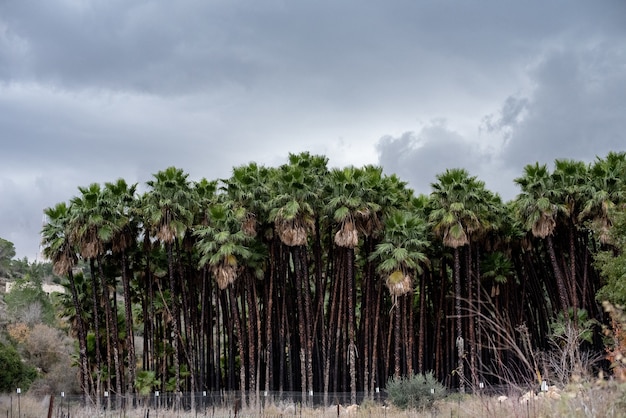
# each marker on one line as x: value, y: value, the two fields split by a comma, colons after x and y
x: 421, y: 338
x: 440, y: 309
x: 304, y: 317
x: 234, y: 312
x: 130, y: 333
x: 268, y: 329
x: 560, y: 281
x: 397, y: 337
x: 112, y: 335
x: 304, y: 273
x: 410, y: 337
x: 252, y: 331
x: 302, y: 333
x: 471, y: 289
x: 572, y: 259
x: 96, y: 324
x: 352, y: 353
x: 460, y: 345
x: 374, y: 362
x: 366, y: 309
x: 331, y: 340
x: 82, y: 338
x: 175, y: 317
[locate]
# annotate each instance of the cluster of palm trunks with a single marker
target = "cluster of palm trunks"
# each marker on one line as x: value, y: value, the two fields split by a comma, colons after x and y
x: 305, y: 278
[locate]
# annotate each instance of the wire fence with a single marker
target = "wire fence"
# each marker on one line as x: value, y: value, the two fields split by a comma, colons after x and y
x: 203, y: 404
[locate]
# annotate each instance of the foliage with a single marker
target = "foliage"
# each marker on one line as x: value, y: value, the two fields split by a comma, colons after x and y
x: 145, y: 381
x: 417, y: 391
x: 615, y: 341
x: 581, y: 321
x: 28, y: 303
x: 14, y: 372
x: 323, y: 244
x: 7, y: 252
x: 612, y: 263
x: 19, y: 332
x: 46, y: 346
x: 570, y: 337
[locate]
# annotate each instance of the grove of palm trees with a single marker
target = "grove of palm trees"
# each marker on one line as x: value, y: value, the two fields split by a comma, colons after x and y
x: 305, y: 278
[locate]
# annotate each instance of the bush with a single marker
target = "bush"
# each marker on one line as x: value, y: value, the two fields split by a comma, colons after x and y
x: 14, y: 373
x: 418, y: 391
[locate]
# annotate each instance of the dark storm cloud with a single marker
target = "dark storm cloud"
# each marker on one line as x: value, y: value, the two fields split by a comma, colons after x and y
x: 418, y: 157
x: 568, y: 102
x: 95, y: 90
x: 577, y: 108
x: 189, y: 45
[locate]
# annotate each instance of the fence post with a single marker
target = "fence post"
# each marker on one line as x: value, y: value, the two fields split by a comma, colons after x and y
x: 50, y: 406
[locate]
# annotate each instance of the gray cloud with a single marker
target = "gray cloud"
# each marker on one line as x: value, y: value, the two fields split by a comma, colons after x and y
x: 577, y: 107
x: 418, y: 157
x: 93, y: 91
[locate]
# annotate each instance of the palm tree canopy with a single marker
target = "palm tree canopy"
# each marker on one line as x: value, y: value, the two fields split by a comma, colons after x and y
x: 537, y: 205
x: 457, y: 205
x: 168, y: 205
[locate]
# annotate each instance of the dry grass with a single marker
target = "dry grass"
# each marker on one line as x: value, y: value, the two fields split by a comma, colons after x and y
x: 598, y: 399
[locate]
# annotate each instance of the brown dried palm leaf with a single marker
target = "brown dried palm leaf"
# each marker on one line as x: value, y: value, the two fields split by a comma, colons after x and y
x: 121, y: 242
x: 224, y: 274
x: 399, y: 283
x: 544, y: 226
x: 248, y: 226
x: 526, y: 243
x: 292, y: 233
x: 62, y: 265
x: 347, y: 236
x: 370, y: 225
x: 91, y: 249
x: 166, y: 233
x: 602, y: 226
x: 455, y: 240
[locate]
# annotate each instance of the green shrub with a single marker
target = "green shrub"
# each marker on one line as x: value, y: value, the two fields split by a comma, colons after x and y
x: 13, y: 373
x: 417, y: 391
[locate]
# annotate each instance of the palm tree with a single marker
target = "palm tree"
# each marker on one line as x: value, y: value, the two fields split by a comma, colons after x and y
x: 121, y: 198
x: 607, y: 189
x: 247, y: 191
x: 298, y: 185
x: 223, y: 246
x: 58, y: 248
x: 167, y: 216
x: 353, y: 206
x: 570, y: 181
x: 456, y: 200
x: 537, y: 209
x: 401, y: 255
x: 92, y: 228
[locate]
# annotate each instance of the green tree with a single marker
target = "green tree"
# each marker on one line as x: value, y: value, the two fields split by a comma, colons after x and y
x: 167, y: 216
x: 401, y: 255
x: 612, y: 263
x: 457, y: 199
x: 7, y: 252
x: 59, y: 249
x: 225, y: 248
x: 537, y: 207
x: 28, y: 303
x: 294, y: 209
x: 92, y: 227
x: 15, y: 374
x: 607, y: 189
x: 354, y: 208
x: 121, y: 199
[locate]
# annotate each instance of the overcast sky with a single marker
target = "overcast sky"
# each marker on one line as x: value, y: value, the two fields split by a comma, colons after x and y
x: 95, y: 90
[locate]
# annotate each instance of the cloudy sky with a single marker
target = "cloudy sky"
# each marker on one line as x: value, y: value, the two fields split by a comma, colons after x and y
x: 95, y: 90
